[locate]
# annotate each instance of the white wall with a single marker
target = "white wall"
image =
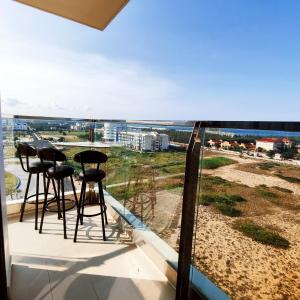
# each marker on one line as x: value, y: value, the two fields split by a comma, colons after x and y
x: 265, y: 145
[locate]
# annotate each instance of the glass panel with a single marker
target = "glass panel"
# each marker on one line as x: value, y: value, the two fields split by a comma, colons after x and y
x: 12, y: 181
x: 69, y: 136
x: 248, y: 207
x: 146, y: 173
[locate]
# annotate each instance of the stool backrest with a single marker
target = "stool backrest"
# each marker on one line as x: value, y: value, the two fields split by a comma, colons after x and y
x: 24, y: 150
x: 51, y: 154
x: 90, y: 157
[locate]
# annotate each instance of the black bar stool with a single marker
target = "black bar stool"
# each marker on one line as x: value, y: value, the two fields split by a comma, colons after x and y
x: 59, y: 173
x: 25, y: 152
x: 91, y: 175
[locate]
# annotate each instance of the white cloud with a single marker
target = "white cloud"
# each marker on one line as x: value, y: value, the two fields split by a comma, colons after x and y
x: 42, y: 81
x: 55, y: 82
x: 12, y: 102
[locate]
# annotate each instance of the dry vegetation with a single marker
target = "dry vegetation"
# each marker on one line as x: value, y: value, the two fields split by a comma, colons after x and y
x: 286, y: 172
x: 255, y: 254
x: 247, y: 235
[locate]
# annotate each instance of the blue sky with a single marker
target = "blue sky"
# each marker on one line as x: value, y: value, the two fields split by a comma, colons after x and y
x: 170, y: 59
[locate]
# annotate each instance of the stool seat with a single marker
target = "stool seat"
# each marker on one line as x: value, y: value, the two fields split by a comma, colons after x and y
x: 60, y: 172
x: 37, y: 167
x: 87, y: 175
x: 92, y: 175
x: 25, y: 153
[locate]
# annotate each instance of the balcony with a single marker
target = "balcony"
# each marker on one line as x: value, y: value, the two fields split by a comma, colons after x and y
x: 228, y: 188
x: 48, y: 267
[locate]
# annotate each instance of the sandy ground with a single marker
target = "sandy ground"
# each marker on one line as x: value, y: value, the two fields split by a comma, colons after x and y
x: 244, y: 268
x: 240, y: 266
x: 232, y: 174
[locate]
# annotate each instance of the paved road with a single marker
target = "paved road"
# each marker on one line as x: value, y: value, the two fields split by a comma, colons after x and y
x: 13, y: 166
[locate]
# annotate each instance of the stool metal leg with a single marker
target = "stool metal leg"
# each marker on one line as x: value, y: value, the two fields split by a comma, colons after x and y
x: 64, y: 208
x: 102, y: 212
x: 37, y: 201
x: 101, y: 196
x: 44, y: 206
x: 74, y: 190
x: 78, y: 213
x: 25, y: 198
x: 57, y: 200
x: 83, y: 201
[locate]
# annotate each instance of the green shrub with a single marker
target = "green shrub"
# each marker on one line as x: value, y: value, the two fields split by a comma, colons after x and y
x: 206, y: 200
x: 224, y: 199
x: 263, y: 186
x: 216, y: 162
x: 263, y: 235
x: 288, y: 178
x: 267, y: 165
x: 228, y: 210
x: 236, y: 198
x: 271, y: 153
x: 224, y: 203
x: 215, y: 180
x: 284, y: 190
x: 266, y: 193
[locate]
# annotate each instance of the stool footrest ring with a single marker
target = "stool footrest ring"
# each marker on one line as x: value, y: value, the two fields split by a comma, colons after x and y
x: 53, y: 200
x: 93, y: 215
x: 39, y: 202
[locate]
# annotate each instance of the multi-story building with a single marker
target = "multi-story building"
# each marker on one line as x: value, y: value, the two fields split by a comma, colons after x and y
x: 144, y: 141
x: 214, y: 144
x: 275, y: 144
x: 111, y: 132
x: 20, y: 125
x: 80, y: 126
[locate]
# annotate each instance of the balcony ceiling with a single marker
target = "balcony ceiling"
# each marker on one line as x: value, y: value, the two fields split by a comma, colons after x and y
x: 94, y: 13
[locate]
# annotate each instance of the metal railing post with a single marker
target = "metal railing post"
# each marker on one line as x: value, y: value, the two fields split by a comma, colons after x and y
x: 188, y: 214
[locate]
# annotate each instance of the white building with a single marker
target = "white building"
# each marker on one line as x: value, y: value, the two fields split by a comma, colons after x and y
x: 111, y: 132
x: 274, y: 144
x: 80, y: 126
x: 144, y: 141
x: 20, y: 125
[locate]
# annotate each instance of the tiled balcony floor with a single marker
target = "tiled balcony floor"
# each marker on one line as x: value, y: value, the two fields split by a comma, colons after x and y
x: 45, y: 266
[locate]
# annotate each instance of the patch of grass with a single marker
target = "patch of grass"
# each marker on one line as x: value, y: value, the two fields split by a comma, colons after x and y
x: 237, y: 198
x: 215, y: 180
x: 216, y: 162
x: 206, y: 200
x: 228, y: 210
x: 10, y: 182
x: 284, y: 190
x: 266, y: 193
x: 288, y: 178
x: 122, y: 192
x: 267, y: 165
x: 224, y: 203
x: 262, y: 235
x: 263, y: 186
x: 224, y: 199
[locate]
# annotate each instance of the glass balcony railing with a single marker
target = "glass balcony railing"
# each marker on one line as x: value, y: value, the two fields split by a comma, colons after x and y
x: 144, y: 171
x: 245, y: 242
x: 247, y: 211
